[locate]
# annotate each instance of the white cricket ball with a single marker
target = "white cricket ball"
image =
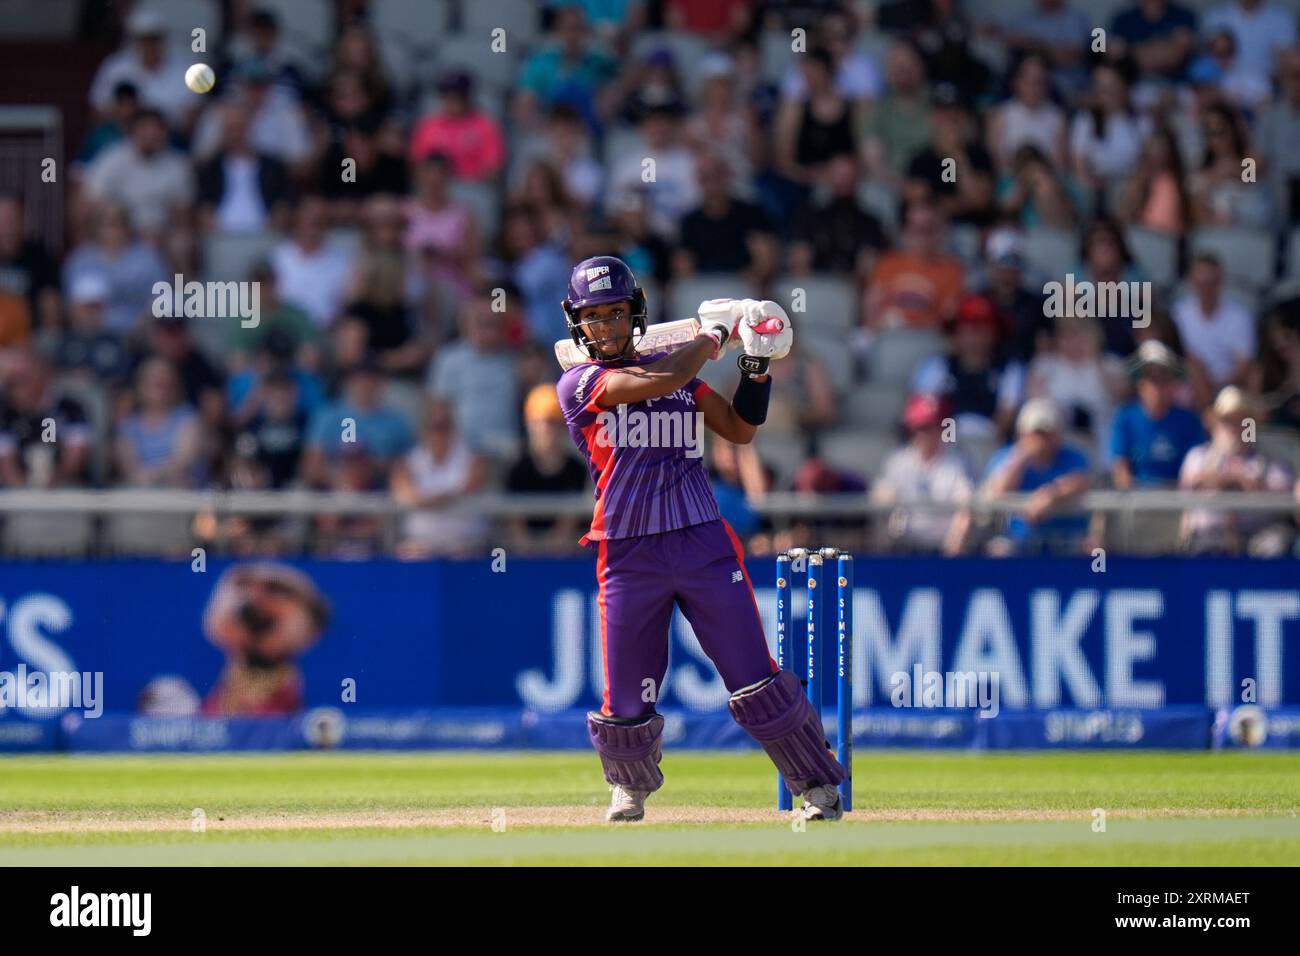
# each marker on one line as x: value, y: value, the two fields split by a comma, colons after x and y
x: 200, y: 78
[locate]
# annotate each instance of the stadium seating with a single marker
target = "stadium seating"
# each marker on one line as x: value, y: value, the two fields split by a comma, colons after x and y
x: 852, y: 450
x: 228, y: 257
x: 306, y: 29
x: 1156, y: 254
x: 1052, y: 252
x: 829, y: 303
x: 687, y: 293
x: 47, y: 535
x: 1247, y: 254
x: 895, y: 354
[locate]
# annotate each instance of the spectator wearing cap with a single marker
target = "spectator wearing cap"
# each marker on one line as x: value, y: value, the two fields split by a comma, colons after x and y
x: 927, y: 471
x: 1217, y: 330
x: 144, y: 174
x: 967, y: 197
x: 837, y: 235
x: 150, y: 65
x: 725, y: 234
x: 1230, y: 462
x: 114, y: 126
x: 30, y: 402
x: 724, y: 122
x: 545, y: 467
x: 479, y: 375
x: 160, y: 443
x: 1152, y: 434
x: 276, y: 124
x: 1004, y: 284
x: 86, y: 348
x: 129, y: 266
x: 896, y: 126
x: 676, y: 187
x: 311, y: 269
x: 568, y: 70
x: 1052, y: 473
x: 470, y: 138
x: 239, y: 189
x: 360, y: 422
x: 1083, y: 381
x: 811, y: 130
x: 432, y: 479
x: 917, y: 285
x: 983, y: 389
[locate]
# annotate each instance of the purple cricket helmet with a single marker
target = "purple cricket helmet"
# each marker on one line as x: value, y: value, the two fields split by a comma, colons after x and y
x: 599, y: 281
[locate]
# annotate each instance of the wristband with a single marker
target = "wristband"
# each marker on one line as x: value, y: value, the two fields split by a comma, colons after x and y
x: 751, y: 398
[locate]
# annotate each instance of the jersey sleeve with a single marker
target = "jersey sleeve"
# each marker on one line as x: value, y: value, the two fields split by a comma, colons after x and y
x: 698, y: 388
x: 579, y: 389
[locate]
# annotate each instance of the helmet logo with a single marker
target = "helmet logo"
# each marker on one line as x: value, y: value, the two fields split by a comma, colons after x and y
x: 596, y: 271
x: 599, y: 284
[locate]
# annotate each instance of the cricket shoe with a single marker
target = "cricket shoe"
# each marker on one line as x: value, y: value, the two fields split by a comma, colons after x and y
x: 626, y: 805
x: 822, y: 803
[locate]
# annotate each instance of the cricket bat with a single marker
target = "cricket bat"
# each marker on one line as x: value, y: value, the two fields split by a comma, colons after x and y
x: 663, y: 337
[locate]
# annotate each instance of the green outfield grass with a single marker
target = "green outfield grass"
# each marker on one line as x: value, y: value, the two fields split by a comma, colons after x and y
x: 917, y: 808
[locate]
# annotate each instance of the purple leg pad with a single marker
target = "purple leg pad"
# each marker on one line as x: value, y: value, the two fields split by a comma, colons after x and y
x: 629, y: 751
x: 778, y: 715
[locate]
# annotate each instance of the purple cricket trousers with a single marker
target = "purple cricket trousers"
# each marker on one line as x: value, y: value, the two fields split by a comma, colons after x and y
x: 699, y: 568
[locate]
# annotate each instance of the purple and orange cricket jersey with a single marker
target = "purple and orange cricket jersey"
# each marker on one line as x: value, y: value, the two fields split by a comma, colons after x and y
x: 661, y: 540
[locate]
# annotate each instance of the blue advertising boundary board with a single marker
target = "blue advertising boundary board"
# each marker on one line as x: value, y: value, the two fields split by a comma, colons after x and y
x: 1172, y: 728
x: 1178, y: 641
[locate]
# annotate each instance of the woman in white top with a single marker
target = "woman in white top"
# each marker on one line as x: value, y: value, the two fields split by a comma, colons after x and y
x: 1029, y: 117
x: 1082, y: 380
x: 1106, y: 138
x: 431, y: 479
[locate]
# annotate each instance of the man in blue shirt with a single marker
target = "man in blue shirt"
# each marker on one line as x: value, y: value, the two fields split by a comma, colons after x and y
x: 1052, y: 472
x: 1151, y: 436
x: 1161, y: 36
x: 360, y: 419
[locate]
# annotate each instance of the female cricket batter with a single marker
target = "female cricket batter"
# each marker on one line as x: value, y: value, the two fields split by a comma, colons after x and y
x: 661, y: 539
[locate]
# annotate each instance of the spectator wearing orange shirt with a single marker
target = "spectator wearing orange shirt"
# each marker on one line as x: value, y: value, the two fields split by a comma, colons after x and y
x: 918, y: 284
x: 468, y: 137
